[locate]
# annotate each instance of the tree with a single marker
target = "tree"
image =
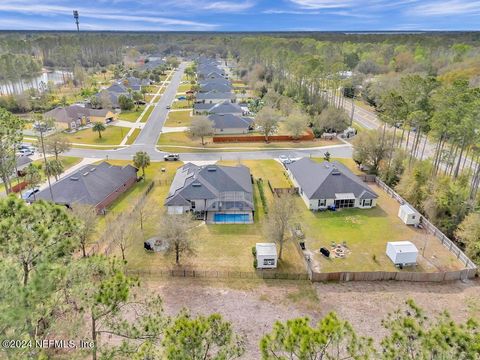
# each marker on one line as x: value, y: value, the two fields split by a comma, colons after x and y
x: 369, y: 149
x: 327, y: 156
x: 87, y: 216
x: 413, y: 185
x: 125, y: 102
x: 268, y: 118
x: 54, y: 168
x: 11, y: 128
x: 281, y: 215
x: 468, y: 234
x: 99, y: 127
x: 121, y: 232
x: 332, y: 120
x: 141, y: 160
x: 201, y: 127
x: 57, y: 144
x: 175, y: 231
x: 105, y: 100
x: 414, y: 336
x: 172, y: 61
x: 33, y: 176
x: 95, y: 101
x: 332, y: 338
x: 137, y: 97
x: 297, y: 123
x: 202, y: 338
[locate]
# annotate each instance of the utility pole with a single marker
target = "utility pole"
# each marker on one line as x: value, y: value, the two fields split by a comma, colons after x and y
x: 75, y: 16
x: 42, y: 127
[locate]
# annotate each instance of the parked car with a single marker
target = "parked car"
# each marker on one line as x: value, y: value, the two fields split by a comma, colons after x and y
x: 171, y: 157
x: 26, y: 146
x: 182, y: 98
x: 25, y: 152
x: 284, y: 159
x: 29, y: 193
x: 168, y: 107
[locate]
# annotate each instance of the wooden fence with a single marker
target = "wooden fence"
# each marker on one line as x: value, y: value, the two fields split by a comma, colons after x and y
x: 280, y: 191
x: 214, y: 274
x: 260, y: 138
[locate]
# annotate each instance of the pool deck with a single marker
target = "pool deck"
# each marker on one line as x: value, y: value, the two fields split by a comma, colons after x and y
x: 211, y: 218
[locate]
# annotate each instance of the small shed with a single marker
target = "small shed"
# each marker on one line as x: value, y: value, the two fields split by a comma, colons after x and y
x: 266, y: 255
x: 402, y: 253
x: 409, y: 215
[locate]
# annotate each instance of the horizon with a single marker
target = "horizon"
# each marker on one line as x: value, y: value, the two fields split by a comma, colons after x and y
x: 242, y: 16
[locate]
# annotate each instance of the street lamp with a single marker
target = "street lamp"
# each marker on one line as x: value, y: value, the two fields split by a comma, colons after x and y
x: 42, y: 126
x: 75, y: 16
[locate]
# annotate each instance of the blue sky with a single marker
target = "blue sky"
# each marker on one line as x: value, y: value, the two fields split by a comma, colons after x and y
x: 241, y: 15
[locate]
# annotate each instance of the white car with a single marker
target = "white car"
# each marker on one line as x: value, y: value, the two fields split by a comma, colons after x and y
x: 171, y: 157
x: 25, y: 152
x: 29, y: 193
x: 284, y: 159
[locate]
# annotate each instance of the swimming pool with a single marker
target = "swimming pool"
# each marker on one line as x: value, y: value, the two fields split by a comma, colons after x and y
x: 231, y: 218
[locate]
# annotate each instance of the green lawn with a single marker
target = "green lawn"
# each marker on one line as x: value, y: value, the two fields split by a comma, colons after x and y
x: 113, y: 135
x: 152, y: 89
x: 147, y: 114
x: 181, y: 104
x: 149, y: 98
x: 131, y: 115
x: 184, y: 87
x: 179, y: 118
x: 168, y: 141
x: 133, y: 136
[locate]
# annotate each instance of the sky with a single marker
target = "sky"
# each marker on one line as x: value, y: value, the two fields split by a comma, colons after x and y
x: 241, y: 15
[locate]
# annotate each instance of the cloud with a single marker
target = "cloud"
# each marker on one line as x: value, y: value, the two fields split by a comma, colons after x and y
x: 225, y: 6
x: 323, y: 4
x: 451, y: 7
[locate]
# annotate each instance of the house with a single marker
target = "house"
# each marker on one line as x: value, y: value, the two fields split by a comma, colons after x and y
x: 95, y: 185
x: 217, y: 86
x: 266, y: 255
x: 220, y: 194
x: 402, y: 253
x: 409, y: 215
x: 329, y: 184
x: 113, y: 92
x: 225, y: 107
x: 214, y: 97
x: 135, y: 83
x: 74, y: 116
x: 231, y: 124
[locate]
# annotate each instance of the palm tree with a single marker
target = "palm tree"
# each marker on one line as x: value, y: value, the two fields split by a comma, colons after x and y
x: 99, y: 127
x: 54, y: 168
x: 141, y: 160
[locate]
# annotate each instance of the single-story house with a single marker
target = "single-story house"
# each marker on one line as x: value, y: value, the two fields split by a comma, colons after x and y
x: 114, y: 91
x: 329, y: 184
x: 96, y: 185
x: 152, y: 63
x: 231, y: 124
x: 225, y: 107
x: 135, y: 83
x: 74, y: 116
x: 221, y: 87
x: 222, y: 194
x: 214, y: 97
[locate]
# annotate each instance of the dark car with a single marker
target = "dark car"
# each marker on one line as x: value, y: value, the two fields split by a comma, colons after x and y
x: 171, y: 157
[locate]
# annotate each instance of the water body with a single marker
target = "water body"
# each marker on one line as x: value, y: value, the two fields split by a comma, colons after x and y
x: 39, y: 83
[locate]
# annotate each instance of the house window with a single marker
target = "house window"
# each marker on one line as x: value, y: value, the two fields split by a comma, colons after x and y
x: 193, y: 205
x: 367, y: 202
x: 322, y: 202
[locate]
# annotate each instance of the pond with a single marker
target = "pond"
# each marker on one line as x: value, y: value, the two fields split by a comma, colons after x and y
x: 39, y: 82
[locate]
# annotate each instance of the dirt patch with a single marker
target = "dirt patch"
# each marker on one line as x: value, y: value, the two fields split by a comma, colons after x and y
x: 253, y: 306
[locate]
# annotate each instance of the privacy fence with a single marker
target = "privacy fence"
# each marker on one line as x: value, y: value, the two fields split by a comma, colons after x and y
x: 469, y: 272
x: 260, y: 138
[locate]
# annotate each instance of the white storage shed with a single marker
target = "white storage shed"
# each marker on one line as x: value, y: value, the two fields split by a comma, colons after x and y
x: 402, y: 253
x: 409, y: 215
x: 266, y: 255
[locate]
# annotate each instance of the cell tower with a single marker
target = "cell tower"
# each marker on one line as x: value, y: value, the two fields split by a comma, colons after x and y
x: 75, y: 16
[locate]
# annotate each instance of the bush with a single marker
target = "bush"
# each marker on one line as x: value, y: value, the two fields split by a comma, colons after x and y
x: 254, y: 251
x: 255, y: 263
x: 262, y: 195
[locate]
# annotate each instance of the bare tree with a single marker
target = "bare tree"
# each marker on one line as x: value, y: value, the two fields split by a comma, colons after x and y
x: 297, y: 123
x: 281, y: 216
x: 175, y: 230
x: 87, y: 214
x: 268, y: 119
x: 201, y: 127
x: 121, y: 232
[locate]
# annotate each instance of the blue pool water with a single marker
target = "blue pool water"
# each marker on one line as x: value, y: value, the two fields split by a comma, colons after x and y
x: 231, y: 218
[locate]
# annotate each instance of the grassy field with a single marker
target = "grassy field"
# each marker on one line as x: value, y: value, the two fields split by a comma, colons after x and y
x: 179, y: 118
x: 184, y: 87
x: 181, y: 104
x: 147, y: 114
x: 133, y: 136
x: 131, y: 115
x: 152, y: 89
x: 113, y: 135
x: 149, y: 98
x: 168, y: 141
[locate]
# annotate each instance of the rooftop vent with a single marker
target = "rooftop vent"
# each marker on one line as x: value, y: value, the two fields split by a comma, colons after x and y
x: 74, y: 178
x: 336, y: 172
x: 85, y: 174
x: 92, y: 169
x: 211, y: 169
x: 196, y: 184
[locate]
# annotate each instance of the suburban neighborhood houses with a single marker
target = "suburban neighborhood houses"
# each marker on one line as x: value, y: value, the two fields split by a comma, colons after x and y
x: 209, y: 195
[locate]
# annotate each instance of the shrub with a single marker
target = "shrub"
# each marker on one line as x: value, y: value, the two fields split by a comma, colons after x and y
x: 254, y: 251
x: 255, y: 263
x: 262, y: 195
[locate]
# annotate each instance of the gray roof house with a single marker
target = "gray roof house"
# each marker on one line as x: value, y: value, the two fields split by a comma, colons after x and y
x: 218, y: 86
x: 224, y: 107
x: 214, y: 97
x: 329, y: 184
x: 96, y: 185
x: 231, y: 124
x: 222, y: 194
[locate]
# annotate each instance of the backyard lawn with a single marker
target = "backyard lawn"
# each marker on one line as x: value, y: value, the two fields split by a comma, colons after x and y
x: 179, y: 118
x: 113, y: 135
x: 168, y: 141
x: 131, y: 115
